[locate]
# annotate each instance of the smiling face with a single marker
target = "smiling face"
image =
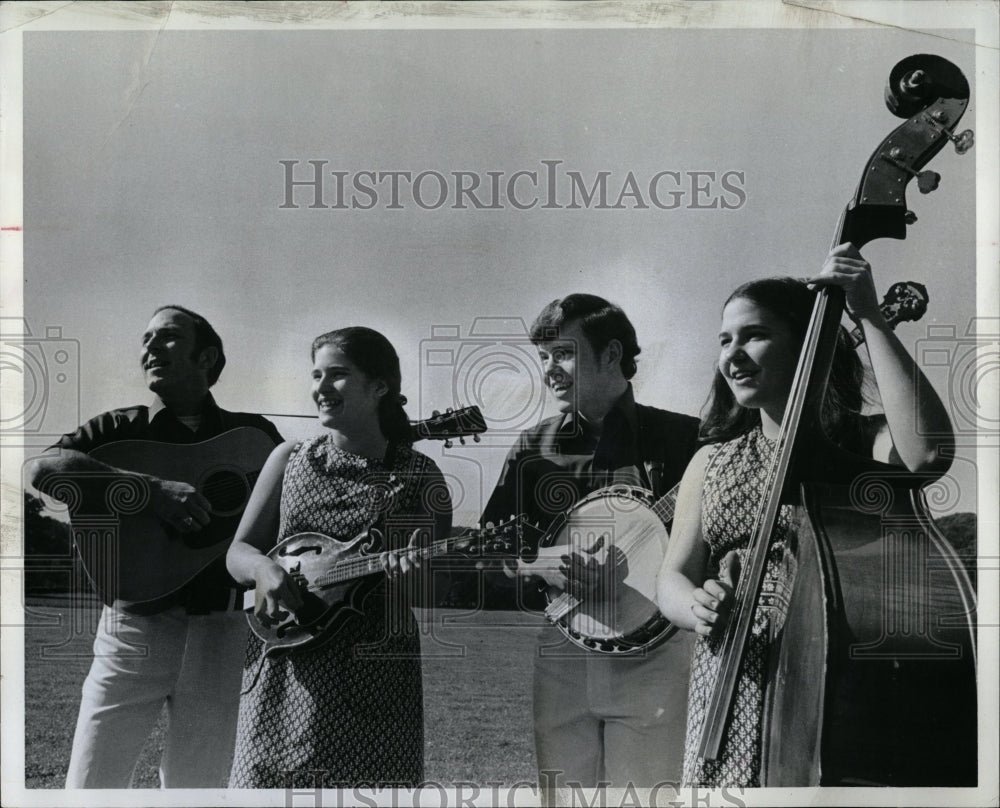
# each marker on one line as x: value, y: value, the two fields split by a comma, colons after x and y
x: 346, y: 399
x: 173, y: 368
x: 580, y: 377
x: 757, y: 357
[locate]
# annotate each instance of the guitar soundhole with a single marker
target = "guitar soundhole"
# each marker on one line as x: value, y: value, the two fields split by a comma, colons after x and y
x: 226, y: 490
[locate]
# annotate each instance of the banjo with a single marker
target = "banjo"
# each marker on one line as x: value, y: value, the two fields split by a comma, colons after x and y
x: 624, y: 530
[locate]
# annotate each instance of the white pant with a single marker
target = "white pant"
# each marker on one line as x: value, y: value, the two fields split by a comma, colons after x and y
x: 193, y: 663
x: 619, y: 720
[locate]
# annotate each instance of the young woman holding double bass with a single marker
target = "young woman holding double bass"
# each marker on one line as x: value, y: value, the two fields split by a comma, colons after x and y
x: 763, y: 325
x: 836, y: 633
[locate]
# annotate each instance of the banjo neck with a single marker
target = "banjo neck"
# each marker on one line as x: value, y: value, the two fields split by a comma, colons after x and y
x: 666, y: 505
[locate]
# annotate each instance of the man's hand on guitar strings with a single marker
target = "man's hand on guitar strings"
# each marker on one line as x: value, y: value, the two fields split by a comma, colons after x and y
x: 714, y: 600
x: 178, y: 504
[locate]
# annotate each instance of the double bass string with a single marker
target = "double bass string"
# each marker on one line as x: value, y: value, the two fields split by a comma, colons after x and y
x: 750, y: 581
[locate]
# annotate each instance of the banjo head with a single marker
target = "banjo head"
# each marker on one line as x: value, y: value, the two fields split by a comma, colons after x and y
x: 618, y: 526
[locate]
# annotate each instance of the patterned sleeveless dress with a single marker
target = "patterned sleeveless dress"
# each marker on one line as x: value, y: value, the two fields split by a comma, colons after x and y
x: 733, y: 488
x: 349, y: 711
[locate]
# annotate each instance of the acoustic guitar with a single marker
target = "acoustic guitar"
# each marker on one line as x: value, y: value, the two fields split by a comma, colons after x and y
x: 135, y: 557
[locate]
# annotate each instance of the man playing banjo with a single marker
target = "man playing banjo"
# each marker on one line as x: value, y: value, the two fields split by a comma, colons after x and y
x: 600, y: 718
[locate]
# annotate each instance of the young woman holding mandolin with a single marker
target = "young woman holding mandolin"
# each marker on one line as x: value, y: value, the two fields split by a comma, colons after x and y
x: 348, y: 708
x: 762, y: 332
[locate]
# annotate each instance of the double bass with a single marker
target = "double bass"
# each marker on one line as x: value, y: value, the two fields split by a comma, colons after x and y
x: 872, y: 679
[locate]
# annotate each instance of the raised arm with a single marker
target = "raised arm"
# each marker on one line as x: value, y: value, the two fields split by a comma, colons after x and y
x: 921, y: 433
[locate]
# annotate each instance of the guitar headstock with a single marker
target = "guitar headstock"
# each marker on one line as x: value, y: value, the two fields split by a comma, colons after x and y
x: 932, y: 94
x: 451, y: 424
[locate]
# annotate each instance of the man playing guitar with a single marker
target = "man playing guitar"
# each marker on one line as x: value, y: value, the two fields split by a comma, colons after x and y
x: 598, y: 718
x: 186, y: 648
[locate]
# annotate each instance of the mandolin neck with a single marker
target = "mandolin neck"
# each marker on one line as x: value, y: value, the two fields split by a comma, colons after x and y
x: 351, y: 569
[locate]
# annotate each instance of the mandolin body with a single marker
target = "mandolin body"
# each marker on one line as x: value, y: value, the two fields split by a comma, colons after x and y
x: 329, y: 600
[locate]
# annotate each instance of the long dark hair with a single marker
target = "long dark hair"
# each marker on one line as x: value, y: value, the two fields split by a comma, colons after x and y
x: 791, y: 301
x: 374, y: 356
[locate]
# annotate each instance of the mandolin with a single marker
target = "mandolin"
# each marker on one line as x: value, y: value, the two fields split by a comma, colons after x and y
x: 334, y: 577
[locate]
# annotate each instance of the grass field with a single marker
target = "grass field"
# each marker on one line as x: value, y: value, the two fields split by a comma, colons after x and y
x: 477, y: 694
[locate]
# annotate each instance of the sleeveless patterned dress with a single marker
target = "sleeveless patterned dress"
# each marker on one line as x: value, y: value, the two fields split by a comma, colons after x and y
x: 733, y: 488
x: 349, y: 711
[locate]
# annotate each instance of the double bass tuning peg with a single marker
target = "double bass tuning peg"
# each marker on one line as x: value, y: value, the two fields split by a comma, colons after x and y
x: 963, y: 141
x: 928, y: 181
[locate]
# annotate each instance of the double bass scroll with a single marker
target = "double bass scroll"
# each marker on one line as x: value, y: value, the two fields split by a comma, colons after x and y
x: 873, y: 676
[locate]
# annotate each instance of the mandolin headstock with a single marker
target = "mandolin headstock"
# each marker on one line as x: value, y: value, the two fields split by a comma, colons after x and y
x: 503, y: 540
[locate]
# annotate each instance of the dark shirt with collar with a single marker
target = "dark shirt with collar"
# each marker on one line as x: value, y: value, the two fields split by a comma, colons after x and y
x: 563, y: 459
x: 212, y: 589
